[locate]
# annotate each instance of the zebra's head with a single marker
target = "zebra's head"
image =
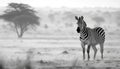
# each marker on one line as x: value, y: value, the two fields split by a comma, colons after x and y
x: 81, y: 23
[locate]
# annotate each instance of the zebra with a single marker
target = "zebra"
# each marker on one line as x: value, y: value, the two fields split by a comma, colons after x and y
x: 90, y: 37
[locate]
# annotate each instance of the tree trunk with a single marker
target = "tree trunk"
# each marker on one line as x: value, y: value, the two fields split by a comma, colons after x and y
x: 19, y: 32
x: 20, y: 35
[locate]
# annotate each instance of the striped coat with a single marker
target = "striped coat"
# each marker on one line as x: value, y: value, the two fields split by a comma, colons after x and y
x: 90, y: 37
x: 96, y: 35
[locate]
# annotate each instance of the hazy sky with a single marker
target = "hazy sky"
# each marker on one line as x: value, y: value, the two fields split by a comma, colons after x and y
x: 66, y: 3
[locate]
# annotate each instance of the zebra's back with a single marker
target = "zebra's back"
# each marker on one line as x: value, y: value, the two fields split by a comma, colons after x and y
x: 99, y: 34
x: 92, y: 35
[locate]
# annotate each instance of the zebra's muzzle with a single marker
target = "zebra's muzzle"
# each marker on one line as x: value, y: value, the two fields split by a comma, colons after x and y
x: 78, y: 30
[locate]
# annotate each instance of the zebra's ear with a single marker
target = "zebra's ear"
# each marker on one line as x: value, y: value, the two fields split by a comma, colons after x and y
x: 82, y: 17
x: 76, y: 18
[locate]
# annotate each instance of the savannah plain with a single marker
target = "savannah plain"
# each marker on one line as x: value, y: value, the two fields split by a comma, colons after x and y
x: 55, y: 43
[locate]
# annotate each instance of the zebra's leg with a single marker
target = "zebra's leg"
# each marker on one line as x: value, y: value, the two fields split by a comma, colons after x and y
x: 88, y: 51
x: 95, y: 50
x: 83, y: 47
x: 101, y: 50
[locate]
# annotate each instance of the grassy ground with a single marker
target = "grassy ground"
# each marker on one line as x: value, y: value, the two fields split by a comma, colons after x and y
x: 55, y: 53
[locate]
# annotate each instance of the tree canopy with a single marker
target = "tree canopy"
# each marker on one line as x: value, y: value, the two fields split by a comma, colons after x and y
x: 21, y: 17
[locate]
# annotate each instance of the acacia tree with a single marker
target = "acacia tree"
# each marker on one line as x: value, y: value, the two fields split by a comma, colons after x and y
x: 20, y: 17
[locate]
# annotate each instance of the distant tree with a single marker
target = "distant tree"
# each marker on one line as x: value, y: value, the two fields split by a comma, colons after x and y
x: 52, y: 17
x: 117, y: 20
x: 21, y: 17
x: 98, y: 20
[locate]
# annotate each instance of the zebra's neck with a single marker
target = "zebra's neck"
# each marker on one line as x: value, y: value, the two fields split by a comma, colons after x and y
x: 84, y: 34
